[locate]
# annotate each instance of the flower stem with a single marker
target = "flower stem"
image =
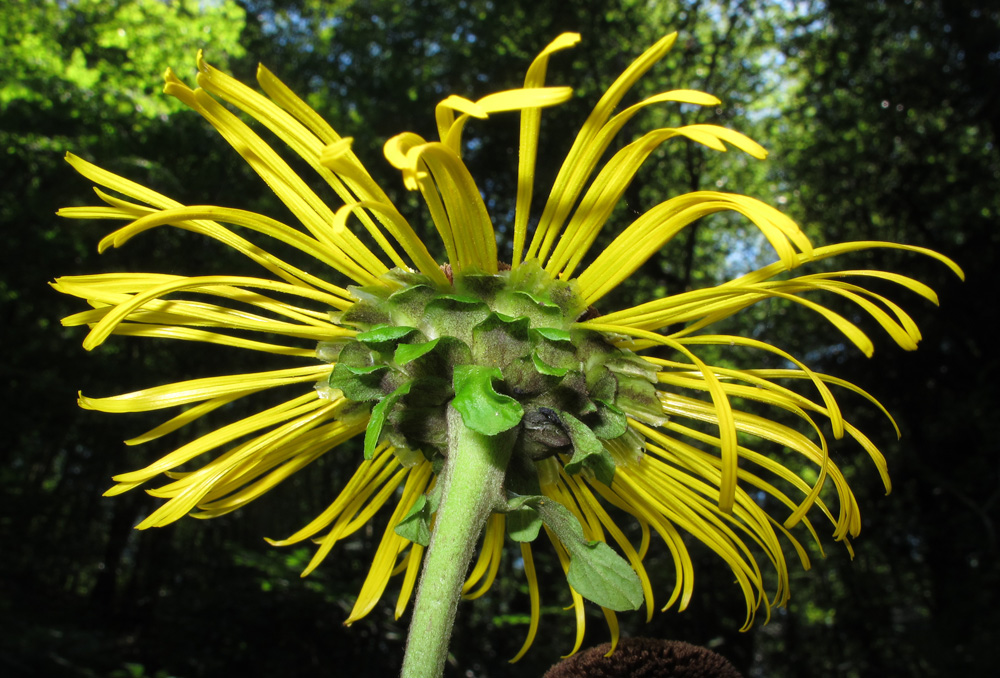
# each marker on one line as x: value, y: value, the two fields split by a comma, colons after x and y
x: 471, y: 488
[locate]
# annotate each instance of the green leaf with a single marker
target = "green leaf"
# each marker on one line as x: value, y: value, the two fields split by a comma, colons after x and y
x: 384, y: 337
x: 524, y: 378
x: 451, y: 351
x: 555, y: 352
x: 536, y: 299
x: 547, y: 369
x: 435, y: 358
x: 612, y: 421
x: 596, y: 571
x: 571, y: 395
x: 360, y: 384
x: 519, y: 302
x: 632, y: 365
x: 364, y: 314
x: 329, y: 351
x: 637, y: 398
x: 406, y: 353
x: 552, y: 333
x: 523, y: 524
x: 379, y: 414
x: 416, y: 524
x: 457, y: 314
x: 588, y: 450
x: 499, y: 340
x: 601, y: 575
x: 408, y: 303
x: 355, y: 355
x: 482, y: 408
x: 601, y: 384
x: 364, y: 369
x: 480, y: 285
x: 419, y: 422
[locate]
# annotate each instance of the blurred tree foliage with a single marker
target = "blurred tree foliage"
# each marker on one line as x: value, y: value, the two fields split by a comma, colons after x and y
x: 882, y: 119
x: 893, y: 135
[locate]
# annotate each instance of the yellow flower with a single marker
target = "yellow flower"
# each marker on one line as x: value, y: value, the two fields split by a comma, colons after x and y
x: 599, y: 418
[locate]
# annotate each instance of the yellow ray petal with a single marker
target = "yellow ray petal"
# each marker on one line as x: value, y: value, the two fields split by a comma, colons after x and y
x: 401, y: 230
x: 612, y: 619
x: 577, y: 599
x: 352, y: 185
x: 528, y: 144
x: 454, y: 201
x: 120, y: 184
x: 370, y: 475
x: 609, y: 186
x: 586, y: 498
x: 413, y: 562
x: 529, y: 573
x: 584, y: 154
x: 650, y: 232
x: 723, y: 409
x: 488, y: 562
x: 187, y: 334
x: 277, y: 463
x: 450, y: 128
x: 633, y: 502
x: 195, y: 390
x: 210, y: 441
x: 832, y: 408
x: 202, y: 219
x: 182, y: 312
x: 183, y: 419
x: 103, y: 329
x: 391, y: 545
x: 314, y: 214
x: 189, y: 491
x: 827, y: 251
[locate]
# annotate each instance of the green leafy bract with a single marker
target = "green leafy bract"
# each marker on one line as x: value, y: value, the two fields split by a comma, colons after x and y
x: 406, y: 353
x: 588, y: 450
x: 612, y: 421
x: 545, y: 368
x: 596, y: 571
x: 361, y: 383
x: 482, y: 408
x: 379, y: 414
x: 552, y: 333
x: 523, y: 524
x: 416, y: 524
x: 385, y: 337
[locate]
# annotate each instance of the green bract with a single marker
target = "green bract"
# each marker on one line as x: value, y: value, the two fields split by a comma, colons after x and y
x: 503, y: 351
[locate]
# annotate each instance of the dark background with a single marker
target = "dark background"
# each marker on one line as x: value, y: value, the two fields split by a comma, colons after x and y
x: 882, y: 119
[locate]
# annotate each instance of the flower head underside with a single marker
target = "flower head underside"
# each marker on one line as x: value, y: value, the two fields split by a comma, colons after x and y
x: 608, y: 411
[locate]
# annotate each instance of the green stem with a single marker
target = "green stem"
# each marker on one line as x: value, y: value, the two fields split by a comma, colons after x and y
x: 471, y: 488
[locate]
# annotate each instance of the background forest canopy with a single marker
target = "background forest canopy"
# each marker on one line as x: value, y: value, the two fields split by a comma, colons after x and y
x: 882, y: 119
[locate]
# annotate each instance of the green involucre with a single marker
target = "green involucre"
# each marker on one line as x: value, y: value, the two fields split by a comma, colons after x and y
x: 503, y: 351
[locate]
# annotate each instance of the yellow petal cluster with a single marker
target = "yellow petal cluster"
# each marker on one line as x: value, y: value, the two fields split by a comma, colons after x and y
x: 710, y: 455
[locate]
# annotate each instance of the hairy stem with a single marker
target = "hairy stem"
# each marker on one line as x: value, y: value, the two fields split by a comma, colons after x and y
x: 471, y: 488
